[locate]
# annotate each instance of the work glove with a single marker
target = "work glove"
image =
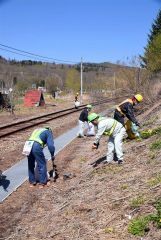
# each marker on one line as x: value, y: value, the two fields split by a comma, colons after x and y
x: 53, y: 173
x: 95, y: 145
x: 138, y: 124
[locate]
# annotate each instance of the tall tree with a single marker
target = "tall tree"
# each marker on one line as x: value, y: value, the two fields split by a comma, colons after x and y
x: 152, y: 45
x: 72, y: 80
x: 153, y: 55
x: 156, y: 28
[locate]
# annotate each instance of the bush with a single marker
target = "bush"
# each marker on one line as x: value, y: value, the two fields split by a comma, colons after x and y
x: 137, y: 202
x: 139, y: 226
x: 156, y: 145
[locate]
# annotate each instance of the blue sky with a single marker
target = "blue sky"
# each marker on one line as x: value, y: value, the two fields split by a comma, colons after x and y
x: 96, y: 30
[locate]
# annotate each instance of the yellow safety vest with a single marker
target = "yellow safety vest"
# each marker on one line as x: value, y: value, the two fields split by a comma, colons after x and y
x: 35, y: 136
x: 109, y: 132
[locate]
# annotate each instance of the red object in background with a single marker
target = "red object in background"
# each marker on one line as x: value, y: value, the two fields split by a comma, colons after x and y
x: 34, y: 98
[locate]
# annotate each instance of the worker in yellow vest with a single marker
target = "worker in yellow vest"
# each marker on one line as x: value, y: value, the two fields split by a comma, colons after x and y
x: 40, y: 138
x: 125, y: 109
x: 116, y: 133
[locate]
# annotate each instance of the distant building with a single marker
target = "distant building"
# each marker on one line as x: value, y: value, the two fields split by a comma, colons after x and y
x: 4, y: 90
x: 34, y: 98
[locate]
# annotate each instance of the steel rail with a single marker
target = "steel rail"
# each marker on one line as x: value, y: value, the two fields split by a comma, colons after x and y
x: 28, y: 123
x: 11, y: 128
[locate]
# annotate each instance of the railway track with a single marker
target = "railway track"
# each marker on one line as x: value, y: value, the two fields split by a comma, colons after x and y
x: 11, y: 128
x: 19, y: 169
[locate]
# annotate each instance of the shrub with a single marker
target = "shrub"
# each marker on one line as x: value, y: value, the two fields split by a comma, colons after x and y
x: 139, y: 226
x: 156, y: 145
x: 137, y: 202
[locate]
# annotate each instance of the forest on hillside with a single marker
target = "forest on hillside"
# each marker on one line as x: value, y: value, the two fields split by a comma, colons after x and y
x: 23, y: 75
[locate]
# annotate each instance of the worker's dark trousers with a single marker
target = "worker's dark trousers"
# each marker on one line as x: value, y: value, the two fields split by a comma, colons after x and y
x: 38, y: 156
x: 119, y: 117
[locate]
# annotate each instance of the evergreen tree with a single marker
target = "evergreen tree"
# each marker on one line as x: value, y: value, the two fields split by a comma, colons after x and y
x: 153, y: 55
x: 72, y: 80
x: 153, y: 46
x: 156, y: 28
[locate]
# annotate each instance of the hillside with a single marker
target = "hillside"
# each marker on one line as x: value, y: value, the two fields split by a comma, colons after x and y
x: 95, y: 202
x: 22, y: 75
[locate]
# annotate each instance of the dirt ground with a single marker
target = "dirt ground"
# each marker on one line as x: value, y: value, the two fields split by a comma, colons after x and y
x: 11, y: 146
x: 52, y: 105
x: 94, y: 202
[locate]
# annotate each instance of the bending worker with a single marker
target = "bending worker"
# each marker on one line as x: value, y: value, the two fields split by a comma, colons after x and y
x: 40, y: 138
x: 126, y: 109
x: 83, y: 118
x: 116, y: 133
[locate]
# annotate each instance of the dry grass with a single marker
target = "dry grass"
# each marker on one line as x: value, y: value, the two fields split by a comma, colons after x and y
x: 95, y: 203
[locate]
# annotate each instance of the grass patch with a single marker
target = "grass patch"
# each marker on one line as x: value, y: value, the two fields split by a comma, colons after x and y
x: 124, y: 186
x: 156, y: 145
x: 139, y: 225
x: 154, y: 181
x: 109, y: 230
x: 152, y: 155
x: 137, y: 202
x: 157, y: 218
x: 18, y: 101
x: 146, y: 134
x: 108, y: 169
x: 83, y: 159
x: 150, y: 132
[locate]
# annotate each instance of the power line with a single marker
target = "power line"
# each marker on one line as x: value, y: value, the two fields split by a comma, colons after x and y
x: 85, y: 65
x: 17, y: 53
x: 36, y: 55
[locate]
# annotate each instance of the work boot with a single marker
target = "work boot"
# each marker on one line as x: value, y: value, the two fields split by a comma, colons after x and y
x: 80, y: 136
x: 32, y: 185
x: 120, y: 161
x: 115, y: 158
x: 107, y: 162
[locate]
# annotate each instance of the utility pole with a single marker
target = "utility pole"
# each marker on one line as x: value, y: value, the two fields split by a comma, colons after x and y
x: 114, y: 83
x: 81, y: 90
x: 2, y: 86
